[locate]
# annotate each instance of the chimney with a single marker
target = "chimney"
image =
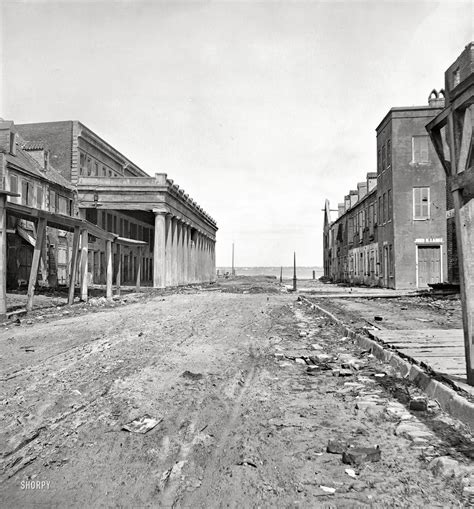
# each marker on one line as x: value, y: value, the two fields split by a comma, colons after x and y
x: 46, y: 159
x: 347, y: 202
x: 435, y: 99
x: 371, y: 181
x: 354, y: 196
x: 5, y: 136
x: 340, y: 209
x: 361, y: 189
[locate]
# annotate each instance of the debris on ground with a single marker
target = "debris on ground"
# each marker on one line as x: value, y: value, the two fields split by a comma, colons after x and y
x: 141, y: 425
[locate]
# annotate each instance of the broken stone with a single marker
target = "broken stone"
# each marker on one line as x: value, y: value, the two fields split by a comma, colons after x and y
x: 444, y: 466
x: 192, y: 376
x: 351, y: 473
x: 359, y: 455
x: 314, y: 346
x: 141, y: 425
x: 300, y: 360
x: 413, y: 431
x: 342, y: 372
x: 328, y: 490
x: 378, y: 318
x: 336, y: 446
x: 419, y: 404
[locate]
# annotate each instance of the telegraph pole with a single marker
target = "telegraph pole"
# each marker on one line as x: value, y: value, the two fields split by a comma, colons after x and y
x: 294, y: 271
x: 281, y: 274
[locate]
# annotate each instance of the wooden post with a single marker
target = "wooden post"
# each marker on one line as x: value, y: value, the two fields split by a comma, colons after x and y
x: 84, y: 263
x: 35, y: 262
x: 119, y: 268
x: 3, y: 257
x: 109, y: 269
x: 463, y: 215
x: 139, y: 269
x: 72, y: 274
x: 281, y: 274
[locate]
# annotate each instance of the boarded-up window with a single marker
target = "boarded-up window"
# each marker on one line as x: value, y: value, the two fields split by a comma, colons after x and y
x: 63, y: 205
x: 420, y: 149
x: 52, y: 201
x: 421, y: 203
x: 39, y: 197
x: 14, y: 187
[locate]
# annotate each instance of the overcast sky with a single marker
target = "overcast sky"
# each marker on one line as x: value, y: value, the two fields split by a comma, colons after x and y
x: 259, y: 110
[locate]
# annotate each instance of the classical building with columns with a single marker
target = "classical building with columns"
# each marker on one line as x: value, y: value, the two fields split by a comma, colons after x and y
x: 164, y: 238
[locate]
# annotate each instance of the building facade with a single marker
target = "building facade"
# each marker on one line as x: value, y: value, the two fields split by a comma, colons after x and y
x: 392, y: 233
x: 174, y: 237
x: 28, y: 175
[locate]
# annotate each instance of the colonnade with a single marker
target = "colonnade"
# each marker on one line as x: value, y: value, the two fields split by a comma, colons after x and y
x: 182, y: 253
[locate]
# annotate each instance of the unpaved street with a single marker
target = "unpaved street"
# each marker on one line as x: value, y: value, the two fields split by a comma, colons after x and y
x: 242, y: 422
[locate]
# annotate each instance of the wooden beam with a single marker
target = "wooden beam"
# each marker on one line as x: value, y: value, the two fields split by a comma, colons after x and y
x: 109, y: 275
x: 40, y: 231
x: 3, y: 257
x: 84, y: 263
x: 464, y: 238
x: 74, y: 258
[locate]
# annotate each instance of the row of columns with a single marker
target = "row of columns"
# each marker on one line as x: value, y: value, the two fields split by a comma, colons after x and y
x: 182, y: 254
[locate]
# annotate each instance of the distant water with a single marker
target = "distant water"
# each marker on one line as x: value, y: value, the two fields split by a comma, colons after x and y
x: 301, y: 272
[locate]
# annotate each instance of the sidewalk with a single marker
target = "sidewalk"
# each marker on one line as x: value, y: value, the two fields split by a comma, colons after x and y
x: 441, y: 351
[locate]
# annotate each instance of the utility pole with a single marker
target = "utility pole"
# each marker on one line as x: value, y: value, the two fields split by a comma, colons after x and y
x: 281, y: 274
x: 233, y: 268
x: 294, y: 271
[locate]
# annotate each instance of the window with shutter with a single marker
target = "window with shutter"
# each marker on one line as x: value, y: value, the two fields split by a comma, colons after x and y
x: 420, y: 152
x: 421, y: 203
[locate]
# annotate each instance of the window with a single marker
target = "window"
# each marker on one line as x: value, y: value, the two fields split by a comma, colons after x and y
x: 384, y: 209
x: 421, y: 203
x: 96, y: 169
x: 39, y: 197
x: 104, y: 171
x: 379, y: 161
x: 52, y: 201
x: 420, y: 153
x: 89, y: 167
x: 389, y: 205
x: 380, y: 210
x: 14, y: 186
x: 63, y: 205
x: 389, y: 154
x: 383, y: 157
x: 456, y: 77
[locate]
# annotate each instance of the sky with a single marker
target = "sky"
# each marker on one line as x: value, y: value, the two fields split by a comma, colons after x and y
x: 259, y: 110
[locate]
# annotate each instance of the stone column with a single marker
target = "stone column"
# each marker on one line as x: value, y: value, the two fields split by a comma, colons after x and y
x: 180, y: 252
x: 198, y: 258
x: 193, y: 257
x: 174, y: 252
x: 214, y: 275
x: 186, y: 254
x: 159, y: 253
x: 169, y: 251
x: 84, y: 263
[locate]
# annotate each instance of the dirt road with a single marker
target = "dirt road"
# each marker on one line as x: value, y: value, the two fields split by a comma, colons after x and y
x: 241, y: 420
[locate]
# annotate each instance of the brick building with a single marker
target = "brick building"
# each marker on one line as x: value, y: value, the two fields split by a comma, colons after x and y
x: 27, y: 172
x: 170, y: 239
x: 393, y: 233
